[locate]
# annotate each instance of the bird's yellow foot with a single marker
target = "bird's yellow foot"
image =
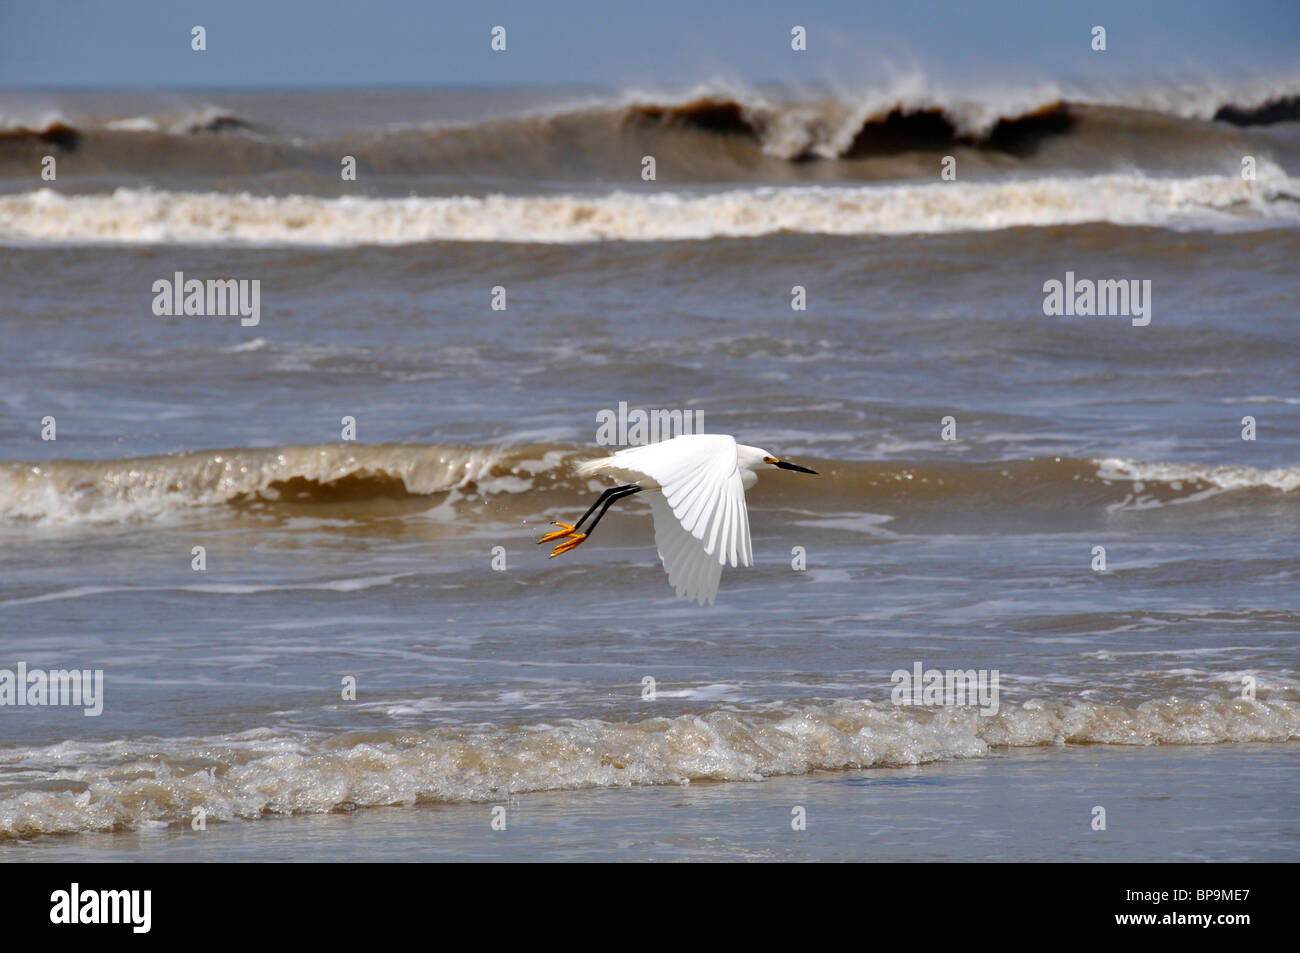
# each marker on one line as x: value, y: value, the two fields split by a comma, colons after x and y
x: 565, y: 529
x: 576, y: 540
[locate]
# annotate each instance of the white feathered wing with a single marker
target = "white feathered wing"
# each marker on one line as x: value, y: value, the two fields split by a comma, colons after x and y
x: 700, y: 519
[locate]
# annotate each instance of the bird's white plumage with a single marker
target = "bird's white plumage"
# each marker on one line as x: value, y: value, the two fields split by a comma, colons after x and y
x: 700, y: 518
x: 692, y: 572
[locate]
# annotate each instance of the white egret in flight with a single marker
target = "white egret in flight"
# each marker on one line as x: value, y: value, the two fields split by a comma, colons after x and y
x: 696, y: 485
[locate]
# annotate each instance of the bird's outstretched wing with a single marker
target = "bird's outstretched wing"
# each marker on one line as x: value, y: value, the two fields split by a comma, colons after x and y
x: 701, y: 520
x: 694, y: 573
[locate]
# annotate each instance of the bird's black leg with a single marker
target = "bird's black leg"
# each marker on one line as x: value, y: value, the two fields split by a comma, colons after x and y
x: 610, y: 498
x: 599, y: 500
x: 606, y: 498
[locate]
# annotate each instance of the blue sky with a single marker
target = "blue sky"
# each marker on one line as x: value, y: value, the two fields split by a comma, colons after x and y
x: 430, y: 43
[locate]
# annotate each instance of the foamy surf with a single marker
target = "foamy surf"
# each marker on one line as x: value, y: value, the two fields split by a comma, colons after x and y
x: 525, y: 479
x: 1177, y: 475
x: 130, y: 216
x: 125, y: 785
x: 67, y: 492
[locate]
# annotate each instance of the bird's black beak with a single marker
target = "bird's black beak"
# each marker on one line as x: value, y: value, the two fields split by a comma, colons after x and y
x: 795, y: 467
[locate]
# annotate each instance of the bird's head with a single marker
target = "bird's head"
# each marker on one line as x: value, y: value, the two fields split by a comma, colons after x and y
x: 754, y: 457
x: 787, y: 465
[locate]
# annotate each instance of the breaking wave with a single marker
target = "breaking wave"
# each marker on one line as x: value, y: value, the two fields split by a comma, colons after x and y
x: 125, y: 785
x: 66, y: 133
x: 712, y: 133
x: 142, y: 217
x: 525, y: 479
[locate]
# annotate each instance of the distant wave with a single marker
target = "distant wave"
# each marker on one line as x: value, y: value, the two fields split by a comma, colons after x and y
x: 67, y: 133
x: 1282, y: 109
x: 143, y: 217
x: 711, y: 133
x: 150, y: 782
x: 347, y: 480
x: 912, y: 111
x: 832, y: 130
x: 53, y: 132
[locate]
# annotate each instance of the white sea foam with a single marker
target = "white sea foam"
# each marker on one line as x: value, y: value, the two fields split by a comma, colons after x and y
x: 1199, y: 99
x: 1261, y: 399
x: 79, y: 786
x: 235, y: 589
x: 1220, y: 477
x: 142, y: 217
x: 133, y: 124
x: 70, y: 492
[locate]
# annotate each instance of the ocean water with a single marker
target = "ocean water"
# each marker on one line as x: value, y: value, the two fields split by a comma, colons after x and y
x: 487, y: 674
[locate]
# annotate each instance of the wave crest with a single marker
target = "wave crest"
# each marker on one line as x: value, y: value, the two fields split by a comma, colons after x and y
x: 128, y: 785
x: 143, y: 217
x: 336, y: 476
x: 147, y: 488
